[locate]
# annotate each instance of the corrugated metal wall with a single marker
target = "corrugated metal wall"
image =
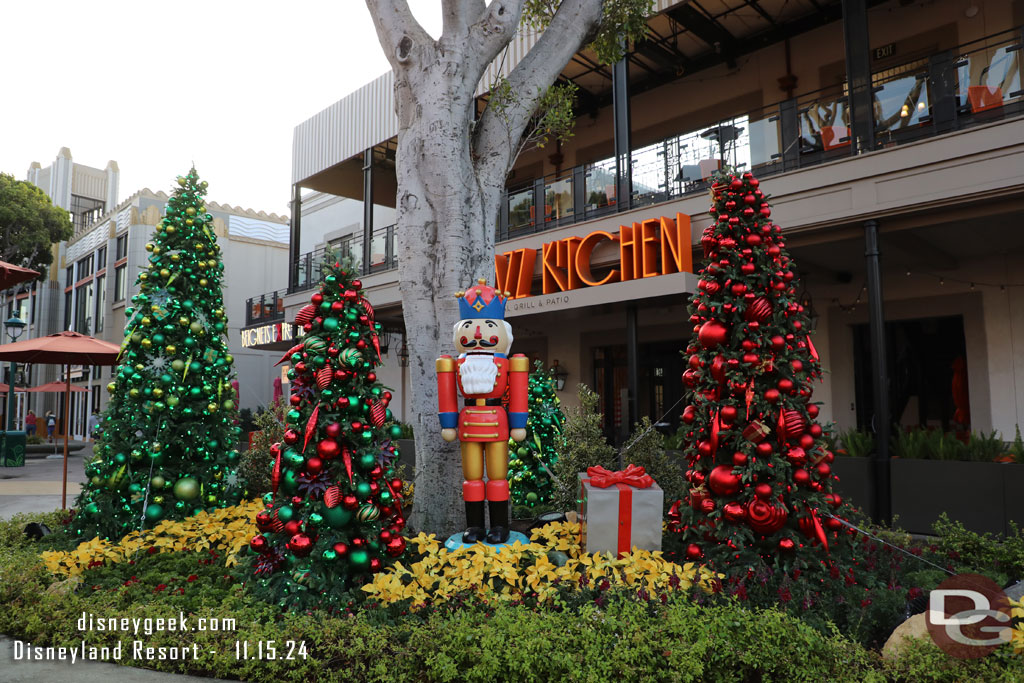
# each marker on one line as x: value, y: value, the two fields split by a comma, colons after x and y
x: 366, y: 117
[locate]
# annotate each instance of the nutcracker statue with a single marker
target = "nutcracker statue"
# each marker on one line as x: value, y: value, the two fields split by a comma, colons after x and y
x: 483, y: 373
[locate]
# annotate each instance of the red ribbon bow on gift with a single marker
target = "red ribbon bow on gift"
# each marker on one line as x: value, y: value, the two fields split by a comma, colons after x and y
x: 633, y: 475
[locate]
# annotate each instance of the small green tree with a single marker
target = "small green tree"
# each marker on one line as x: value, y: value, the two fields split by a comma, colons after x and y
x: 582, y: 445
x: 646, y: 448
x: 256, y: 464
x: 529, y: 470
x: 30, y: 224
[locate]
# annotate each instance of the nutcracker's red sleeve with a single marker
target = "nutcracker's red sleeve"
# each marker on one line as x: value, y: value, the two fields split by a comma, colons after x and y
x: 519, y: 380
x: 448, y: 408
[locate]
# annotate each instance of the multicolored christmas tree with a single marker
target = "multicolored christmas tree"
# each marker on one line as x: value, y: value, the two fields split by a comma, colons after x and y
x: 760, y: 476
x: 529, y: 470
x: 335, y: 514
x: 169, y: 432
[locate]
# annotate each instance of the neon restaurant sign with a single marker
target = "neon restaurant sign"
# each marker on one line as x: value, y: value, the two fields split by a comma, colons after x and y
x: 656, y: 246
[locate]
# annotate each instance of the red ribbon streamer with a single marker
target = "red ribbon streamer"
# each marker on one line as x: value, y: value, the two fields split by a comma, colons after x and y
x: 310, y: 427
x: 625, y: 516
x: 810, y: 346
x: 633, y: 475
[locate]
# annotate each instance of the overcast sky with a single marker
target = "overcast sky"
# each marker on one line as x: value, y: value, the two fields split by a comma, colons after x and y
x: 157, y: 86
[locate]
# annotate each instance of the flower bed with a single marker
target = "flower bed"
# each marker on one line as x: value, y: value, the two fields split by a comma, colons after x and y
x: 553, y: 560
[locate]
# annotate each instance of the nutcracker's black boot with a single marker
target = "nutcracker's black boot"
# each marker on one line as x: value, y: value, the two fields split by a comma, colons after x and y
x: 474, y: 522
x: 499, y: 521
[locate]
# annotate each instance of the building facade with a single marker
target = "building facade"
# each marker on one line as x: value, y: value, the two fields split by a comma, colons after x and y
x: 889, y: 135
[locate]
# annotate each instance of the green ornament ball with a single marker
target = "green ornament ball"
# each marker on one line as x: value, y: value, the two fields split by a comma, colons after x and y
x: 396, y: 431
x: 154, y: 511
x: 363, y: 490
x: 286, y: 513
x: 337, y: 517
x: 531, y: 497
x: 359, y: 559
x: 157, y: 482
x: 331, y: 324
x: 367, y: 461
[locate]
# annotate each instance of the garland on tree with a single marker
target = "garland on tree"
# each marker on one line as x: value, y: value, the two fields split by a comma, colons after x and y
x: 530, y: 469
x: 169, y: 432
x: 760, y: 477
x: 335, y: 514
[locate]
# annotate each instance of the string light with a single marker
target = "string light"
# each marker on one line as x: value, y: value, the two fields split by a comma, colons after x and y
x: 972, y: 284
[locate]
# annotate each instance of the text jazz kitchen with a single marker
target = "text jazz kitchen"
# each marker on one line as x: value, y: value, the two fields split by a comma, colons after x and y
x: 648, y: 248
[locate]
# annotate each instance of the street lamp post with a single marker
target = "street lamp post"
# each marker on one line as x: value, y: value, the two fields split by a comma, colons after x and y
x: 15, y: 326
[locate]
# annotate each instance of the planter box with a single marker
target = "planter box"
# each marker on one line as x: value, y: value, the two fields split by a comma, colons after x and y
x: 1013, y: 486
x: 974, y: 493
x: 407, y: 456
x: 856, y: 482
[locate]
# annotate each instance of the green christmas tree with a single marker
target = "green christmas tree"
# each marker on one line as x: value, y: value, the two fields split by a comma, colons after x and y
x: 169, y: 433
x: 335, y: 514
x: 760, y: 476
x: 529, y: 470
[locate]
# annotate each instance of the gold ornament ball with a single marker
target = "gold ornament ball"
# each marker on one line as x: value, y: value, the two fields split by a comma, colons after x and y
x: 133, y: 393
x: 170, y: 229
x: 182, y: 181
x: 191, y: 211
x: 143, y: 277
x: 158, y: 392
x: 229, y: 359
x: 175, y: 258
x: 112, y: 387
x: 188, y: 222
x: 203, y: 282
x: 212, y: 407
x: 149, y: 246
x: 183, y: 321
x: 170, y: 348
x: 156, y: 447
x: 158, y: 499
x: 146, y: 320
x: 139, y: 367
x: 196, y: 328
x: 165, y: 273
x: 146, y: 343
x: 229, y: 404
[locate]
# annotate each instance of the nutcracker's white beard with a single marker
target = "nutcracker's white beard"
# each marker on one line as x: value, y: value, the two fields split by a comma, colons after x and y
x: 478, y: 373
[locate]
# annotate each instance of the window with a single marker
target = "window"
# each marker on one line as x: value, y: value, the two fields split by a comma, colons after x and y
x: 67, y: 309
x: 121, y: 249
x: 83, y: 309
x: 101, y: 301
x: 120, y: 283
x: 85, y: 210
x: 84, y: 268
x: 69, y: 278
x: 101, y: 258
x: 96, y: 398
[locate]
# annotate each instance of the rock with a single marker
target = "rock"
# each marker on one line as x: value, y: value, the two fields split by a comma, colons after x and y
x: 64, y: 587
x: 914, y: 627
x: 1016, y: 591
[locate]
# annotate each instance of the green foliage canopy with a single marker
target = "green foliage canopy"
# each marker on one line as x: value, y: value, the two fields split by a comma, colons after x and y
x: 29, y: 224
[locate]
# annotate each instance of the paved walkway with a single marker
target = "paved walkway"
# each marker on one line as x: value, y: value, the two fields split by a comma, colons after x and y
x: 36, y: 486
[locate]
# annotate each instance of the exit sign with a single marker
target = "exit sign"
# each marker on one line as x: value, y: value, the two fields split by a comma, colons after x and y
x: 885, y: 51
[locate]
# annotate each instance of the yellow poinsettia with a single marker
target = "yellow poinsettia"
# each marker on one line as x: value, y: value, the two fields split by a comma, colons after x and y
x: 523, y: 569
x: 226, y: 530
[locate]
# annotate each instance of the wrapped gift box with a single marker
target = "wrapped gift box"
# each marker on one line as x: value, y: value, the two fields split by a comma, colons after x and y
x: 620, y: 516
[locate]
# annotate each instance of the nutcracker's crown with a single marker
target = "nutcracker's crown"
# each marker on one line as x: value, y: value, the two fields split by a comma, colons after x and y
x: 482, y: 301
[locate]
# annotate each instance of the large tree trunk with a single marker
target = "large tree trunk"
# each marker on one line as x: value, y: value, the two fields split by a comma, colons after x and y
x: 450, y: 171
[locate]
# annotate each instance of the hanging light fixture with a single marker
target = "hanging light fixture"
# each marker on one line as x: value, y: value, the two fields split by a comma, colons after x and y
x: 560, y: 374
x: 403, y: 355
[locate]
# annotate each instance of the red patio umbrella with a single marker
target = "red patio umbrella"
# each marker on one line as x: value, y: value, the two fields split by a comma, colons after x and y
x: 11, y: 275
x: 50, y: 387
x: 67, y: 349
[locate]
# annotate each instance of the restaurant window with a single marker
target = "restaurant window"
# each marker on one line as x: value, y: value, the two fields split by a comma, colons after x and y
x: 69, y: 276
x: 101, y: 258
x: 84, y: 267
x: 68, y: 299
x: 83, y: 309
x: 120, y: 283
x: 101, y: 301
x: 121, y: 248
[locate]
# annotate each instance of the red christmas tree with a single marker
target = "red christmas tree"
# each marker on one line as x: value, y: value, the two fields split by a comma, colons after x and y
x: 759, y: 477
x: 335, y: 515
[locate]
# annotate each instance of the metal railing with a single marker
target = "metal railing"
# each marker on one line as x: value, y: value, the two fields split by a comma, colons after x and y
x: 975, y: 83
x: 265, y: 308
x: 308, y: 269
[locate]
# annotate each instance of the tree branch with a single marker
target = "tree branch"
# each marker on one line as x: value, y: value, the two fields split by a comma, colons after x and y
x: 490, y: 34
x: 497, y: 134
x: 456, y: 15
x: 397, y: 29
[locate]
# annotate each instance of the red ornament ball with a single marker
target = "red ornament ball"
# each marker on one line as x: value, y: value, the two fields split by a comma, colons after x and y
x: 728, y: 414
x: 723, y: 482
x: 764, y: 449
x: 771, y: 395
x: 259, y: 544
x: 764, y: 517
x: 693, y: 552
x: 802, y: 477
x: 341, y: 549
x: 328, y: 449
x: 812, y: 410
x: 734, y: 512
x: 797, y: 456
x: 739, y: 459
x: 713, y: 333
x: 333, y: 430
x: 395, y: 546
x: 763, y: 491
x: 794, y: 423
x: 301, y: 545
x: 759, y: 310
x: 787, y: 545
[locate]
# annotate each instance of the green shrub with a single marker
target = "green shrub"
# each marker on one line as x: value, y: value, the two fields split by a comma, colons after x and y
x: 34, y: 440
x: 12, y: 531
x: 645, y: 448
x: 921, y: 660
x: 582, y: 445
x: 857, y: 443
x: 1001, y: 557
x: 982, y: 448
x: 255, y: 464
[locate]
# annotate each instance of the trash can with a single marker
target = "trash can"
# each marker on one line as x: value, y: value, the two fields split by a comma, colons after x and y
x: 12, y: 449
